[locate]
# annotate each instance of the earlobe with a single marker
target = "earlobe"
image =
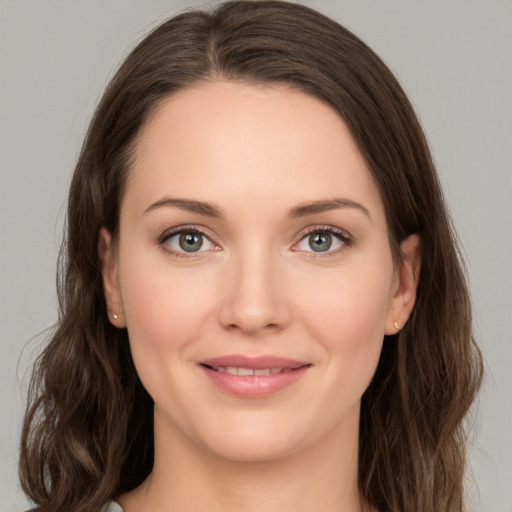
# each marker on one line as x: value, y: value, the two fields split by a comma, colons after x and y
x: 107, y: 256
x: 404, y: 293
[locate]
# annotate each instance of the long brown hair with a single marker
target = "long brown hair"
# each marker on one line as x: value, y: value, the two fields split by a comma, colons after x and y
x: 88, y: 429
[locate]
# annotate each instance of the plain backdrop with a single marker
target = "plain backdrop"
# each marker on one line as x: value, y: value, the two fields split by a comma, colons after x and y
x: 454, y: 59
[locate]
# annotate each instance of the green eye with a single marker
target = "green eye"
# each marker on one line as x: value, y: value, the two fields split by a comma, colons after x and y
x: 190, y: 242
x: 324, y: 240
x: 320, y: 242
x: 184, y: 241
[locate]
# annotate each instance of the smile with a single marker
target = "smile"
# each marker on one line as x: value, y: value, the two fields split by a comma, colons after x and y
x: 233, y: 370
x: 253, y: 377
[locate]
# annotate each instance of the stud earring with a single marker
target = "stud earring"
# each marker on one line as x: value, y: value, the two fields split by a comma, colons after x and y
x: 115, y: 317
x: 396, y: 326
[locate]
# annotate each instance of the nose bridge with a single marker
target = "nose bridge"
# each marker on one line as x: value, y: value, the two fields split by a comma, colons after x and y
x: 254, y: 299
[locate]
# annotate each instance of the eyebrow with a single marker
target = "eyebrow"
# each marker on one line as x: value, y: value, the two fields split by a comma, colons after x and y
x: 301, y: 210
x: 188, y: 205
x: 312, y: 207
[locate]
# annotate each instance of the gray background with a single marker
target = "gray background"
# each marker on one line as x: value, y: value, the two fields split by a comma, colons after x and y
x: 453, y: 57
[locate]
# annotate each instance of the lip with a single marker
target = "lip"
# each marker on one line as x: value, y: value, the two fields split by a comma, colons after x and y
x: 254, y: 386
x: 256, y: 363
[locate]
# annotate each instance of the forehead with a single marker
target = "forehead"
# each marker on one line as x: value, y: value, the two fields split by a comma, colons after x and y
x: 243, y: 144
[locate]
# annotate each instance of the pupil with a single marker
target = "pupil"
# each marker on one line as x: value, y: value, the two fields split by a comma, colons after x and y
x: 320, y: 242
x: 190, y: 242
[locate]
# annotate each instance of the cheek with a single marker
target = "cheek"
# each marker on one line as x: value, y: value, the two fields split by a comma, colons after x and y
x: 351, y: 307
x: 351, y: 328
x: 348, y: 318
x: 163, y: 307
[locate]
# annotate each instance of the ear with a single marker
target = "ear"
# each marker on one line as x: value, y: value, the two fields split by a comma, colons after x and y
x: 109, y: 271
x: 405, y: 285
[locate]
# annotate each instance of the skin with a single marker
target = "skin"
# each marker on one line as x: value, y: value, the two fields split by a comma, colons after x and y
x: 257, y: 286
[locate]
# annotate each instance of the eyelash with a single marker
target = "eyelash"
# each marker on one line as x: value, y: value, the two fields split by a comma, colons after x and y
x: 341, y: 235
x: 178, y: 231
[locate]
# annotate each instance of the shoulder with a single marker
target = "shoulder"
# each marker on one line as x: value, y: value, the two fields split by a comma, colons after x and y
x: 113, y: 507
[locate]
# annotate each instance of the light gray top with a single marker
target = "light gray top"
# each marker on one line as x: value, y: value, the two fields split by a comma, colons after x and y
x: 113, y: 507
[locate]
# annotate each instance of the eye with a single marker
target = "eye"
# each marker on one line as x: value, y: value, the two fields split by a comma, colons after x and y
x: 324, y: 240
x: 186, y: 241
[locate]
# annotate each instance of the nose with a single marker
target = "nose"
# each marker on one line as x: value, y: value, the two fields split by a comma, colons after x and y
x: 254, y: 298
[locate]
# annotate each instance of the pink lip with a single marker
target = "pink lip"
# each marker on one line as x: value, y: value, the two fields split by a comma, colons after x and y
x: 256, y: 363
x: 254, y: 386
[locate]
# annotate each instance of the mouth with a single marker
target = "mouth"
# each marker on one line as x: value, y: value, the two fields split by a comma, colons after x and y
x: 253, y: 377
x: 233, y: 370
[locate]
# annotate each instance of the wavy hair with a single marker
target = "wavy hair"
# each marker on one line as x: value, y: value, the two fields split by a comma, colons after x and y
x: 88, y: 429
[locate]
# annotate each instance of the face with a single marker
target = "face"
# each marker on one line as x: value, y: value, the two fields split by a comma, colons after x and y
x: 253, y: 270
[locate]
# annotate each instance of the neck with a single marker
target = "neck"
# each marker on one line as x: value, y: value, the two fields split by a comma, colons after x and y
x: 187, y: 477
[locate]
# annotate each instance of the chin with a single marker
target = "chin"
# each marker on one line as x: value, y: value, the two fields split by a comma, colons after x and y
x: 251, y: 449
x: 254, y: 440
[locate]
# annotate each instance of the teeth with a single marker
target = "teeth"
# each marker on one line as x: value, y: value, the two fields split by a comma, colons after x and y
x: 232, y: 370
x: 245, y: 371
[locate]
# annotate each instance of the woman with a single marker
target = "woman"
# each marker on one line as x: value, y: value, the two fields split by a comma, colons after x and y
x: 262, y: 303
